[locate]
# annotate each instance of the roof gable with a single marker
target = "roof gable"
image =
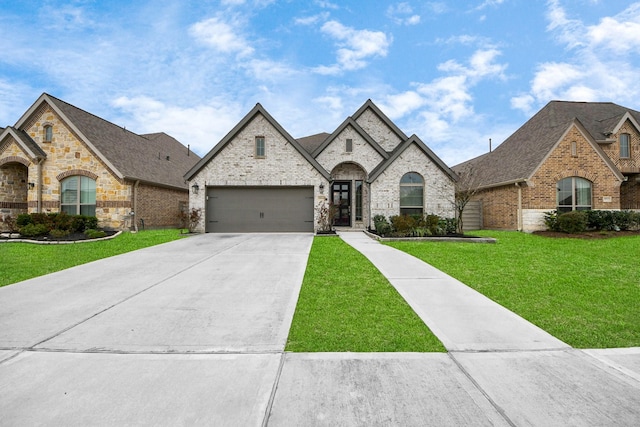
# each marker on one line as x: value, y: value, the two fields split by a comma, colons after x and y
x: 373, y: 108
x: 153, y: 159
x: 24, y: 141
x: 522, y: 153
x: 625, y: 117
x: 350, y: 122
x: 414, y: 140
x: 257, y: 110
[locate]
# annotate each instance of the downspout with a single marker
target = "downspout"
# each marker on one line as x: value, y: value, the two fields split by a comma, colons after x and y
x: 369, y: 204
x: 519, y: 206
x: 135, y: 205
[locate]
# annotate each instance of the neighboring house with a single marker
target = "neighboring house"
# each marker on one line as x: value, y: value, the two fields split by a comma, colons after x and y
x: 259, y: 178
x: 58, y: 157
x: 569, y: 156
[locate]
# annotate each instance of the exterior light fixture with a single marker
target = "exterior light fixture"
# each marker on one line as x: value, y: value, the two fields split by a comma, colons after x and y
x: 195, y: 187
x: 31, y: 185
x: 321, y: 187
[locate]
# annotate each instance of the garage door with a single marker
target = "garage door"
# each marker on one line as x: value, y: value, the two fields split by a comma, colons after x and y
x: 259, y: 209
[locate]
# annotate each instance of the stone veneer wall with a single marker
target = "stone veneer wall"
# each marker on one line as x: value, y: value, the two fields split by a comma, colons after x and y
x: 236, y: 165
x: 439, y: 189
x: 362, y: 153
x: 67, y: 155
x: 379, y: 131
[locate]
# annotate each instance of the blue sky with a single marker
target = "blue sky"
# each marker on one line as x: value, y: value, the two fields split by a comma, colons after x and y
x: 454, y: 73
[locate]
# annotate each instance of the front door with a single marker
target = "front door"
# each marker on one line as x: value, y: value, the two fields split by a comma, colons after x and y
x: 342, y: 201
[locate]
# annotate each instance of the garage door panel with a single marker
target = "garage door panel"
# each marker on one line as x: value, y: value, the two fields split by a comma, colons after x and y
x: 259, y: 209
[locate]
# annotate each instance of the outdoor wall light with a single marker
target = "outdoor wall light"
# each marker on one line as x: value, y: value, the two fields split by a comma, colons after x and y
x: 195, y: 187
x: 31, y: 185
x: 321, y: 187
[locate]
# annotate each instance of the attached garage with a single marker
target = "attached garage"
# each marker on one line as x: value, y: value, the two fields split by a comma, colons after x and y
x: 259, y: 209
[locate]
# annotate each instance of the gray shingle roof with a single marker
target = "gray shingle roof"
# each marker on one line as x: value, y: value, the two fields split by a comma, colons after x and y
x: 155, y: 158
x: 519, y: 156
x: 312, y: 142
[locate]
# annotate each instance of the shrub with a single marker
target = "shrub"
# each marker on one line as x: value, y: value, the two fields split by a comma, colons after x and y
x: 448, y: 225
x: 57, y: 233
x: 10, y: 224
x: 61, y: 221
x: 33, y: 230
x: 381, y: 225
x: 41, y: 218
x: 573, y: 222
x: 23, y: 219
x: 94, y: 234
x: 551, y: 220
x: 403, y: 225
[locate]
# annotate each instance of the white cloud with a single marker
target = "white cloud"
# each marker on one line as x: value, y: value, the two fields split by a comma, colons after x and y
x: 402, y: 13
x: 355, y: 47
x: 588, y: 74
x: 220, y: 35
x: 310, y: 20
x: 207, y: 123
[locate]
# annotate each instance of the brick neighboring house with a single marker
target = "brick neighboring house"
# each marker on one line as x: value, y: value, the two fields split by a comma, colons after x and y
x: 568, y: 156
x: 58, y: 157
x: 259, y: 178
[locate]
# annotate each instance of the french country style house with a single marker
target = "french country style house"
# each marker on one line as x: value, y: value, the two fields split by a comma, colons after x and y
x: 259, y: 178
x: 568, y: 156
x: 58, y: 157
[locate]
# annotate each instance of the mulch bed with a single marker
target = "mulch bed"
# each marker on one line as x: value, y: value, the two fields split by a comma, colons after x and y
x: 73, y: 237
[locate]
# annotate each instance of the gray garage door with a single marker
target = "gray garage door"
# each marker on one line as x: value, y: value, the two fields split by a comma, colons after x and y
x: 259, y: 209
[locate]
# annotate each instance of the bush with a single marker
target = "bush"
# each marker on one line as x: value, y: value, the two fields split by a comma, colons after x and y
x: 551, y: 220
x: 23, y: 219
x: 57, y: 234
x: 449, y: 225
x: 381, y: 225
x: 33, y: 230
x: 572, y: 222
x: 403, y: 225
x: 94, y: 234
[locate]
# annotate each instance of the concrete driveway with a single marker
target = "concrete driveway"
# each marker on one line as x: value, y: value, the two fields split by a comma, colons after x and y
x: 192, y: 333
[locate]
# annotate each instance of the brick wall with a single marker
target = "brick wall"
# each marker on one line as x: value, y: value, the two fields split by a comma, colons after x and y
x: 362, y: 153
x: 159, y: 207
x: 379, y: 131
x: 499, y: 207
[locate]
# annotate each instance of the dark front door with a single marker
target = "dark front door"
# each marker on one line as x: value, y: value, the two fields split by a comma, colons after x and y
x: 342, y: 201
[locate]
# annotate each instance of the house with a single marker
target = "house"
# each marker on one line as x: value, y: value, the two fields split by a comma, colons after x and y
x: 568, y: 156
x: 58, y: 157
x: 258, y: 178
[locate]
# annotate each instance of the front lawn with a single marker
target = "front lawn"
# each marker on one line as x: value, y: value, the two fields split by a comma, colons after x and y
x: 21, y: 261
x: 584, y: 292
x: 346, y: 304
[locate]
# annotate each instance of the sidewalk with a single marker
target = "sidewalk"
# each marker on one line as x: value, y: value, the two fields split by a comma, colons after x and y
x: 462, y: 318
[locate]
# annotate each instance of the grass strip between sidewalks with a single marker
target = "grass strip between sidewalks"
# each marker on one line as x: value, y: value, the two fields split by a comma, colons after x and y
x: 22, y: 261
x: 584, y: 292
x: 346, y: 304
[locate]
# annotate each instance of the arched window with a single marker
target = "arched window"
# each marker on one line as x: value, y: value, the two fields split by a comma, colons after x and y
x: 574, y: 194
x: 78, y: 195
x: 48, y: 133
x: 411, y: 194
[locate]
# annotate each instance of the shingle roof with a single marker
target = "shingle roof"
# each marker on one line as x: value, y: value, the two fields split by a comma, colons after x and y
x: 519, y: 156
x: 311, y: 142
x: 25, y: 141
x: 155, y: 158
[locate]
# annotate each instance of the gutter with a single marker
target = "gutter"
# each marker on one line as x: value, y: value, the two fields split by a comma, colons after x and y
x: 500, y: 184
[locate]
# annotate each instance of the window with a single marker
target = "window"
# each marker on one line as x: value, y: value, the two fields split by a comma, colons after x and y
x: 573, y: 194
x: 260, y: 147
x: 78, y: 196
x: 358, y: 200
x: 624, y: 145
x: 411, y: 194
x: 48, y: 133
x: 349, y: 146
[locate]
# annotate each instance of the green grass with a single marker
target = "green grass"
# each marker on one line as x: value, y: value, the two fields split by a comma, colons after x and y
x: 584, y: 292
x: 21, y: 261
x: 346, y: 304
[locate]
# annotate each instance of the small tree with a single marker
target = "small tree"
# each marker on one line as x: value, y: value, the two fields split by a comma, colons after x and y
x: 190, y: 219
x: 326, y: 213
x: 465, y: 189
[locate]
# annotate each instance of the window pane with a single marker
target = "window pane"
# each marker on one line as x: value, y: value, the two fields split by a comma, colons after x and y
x: 70, y: 209
x: 624, y: 145
x: 70, y: 190
x: 260, y: 148
x: 87, y: 190
x: 88, y: 210
x: 583, y: 192
x: 358, y: 200
x: 411, y: 178
x: 410, y: 196
x: 565, y: 194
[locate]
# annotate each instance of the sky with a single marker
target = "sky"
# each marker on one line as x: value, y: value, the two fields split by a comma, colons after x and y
x: 455, y: 73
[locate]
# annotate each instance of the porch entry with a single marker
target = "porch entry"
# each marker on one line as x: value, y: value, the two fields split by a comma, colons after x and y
x: 341, y: 196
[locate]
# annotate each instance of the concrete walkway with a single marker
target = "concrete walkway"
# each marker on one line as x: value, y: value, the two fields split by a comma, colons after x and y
x: 193, y: 333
